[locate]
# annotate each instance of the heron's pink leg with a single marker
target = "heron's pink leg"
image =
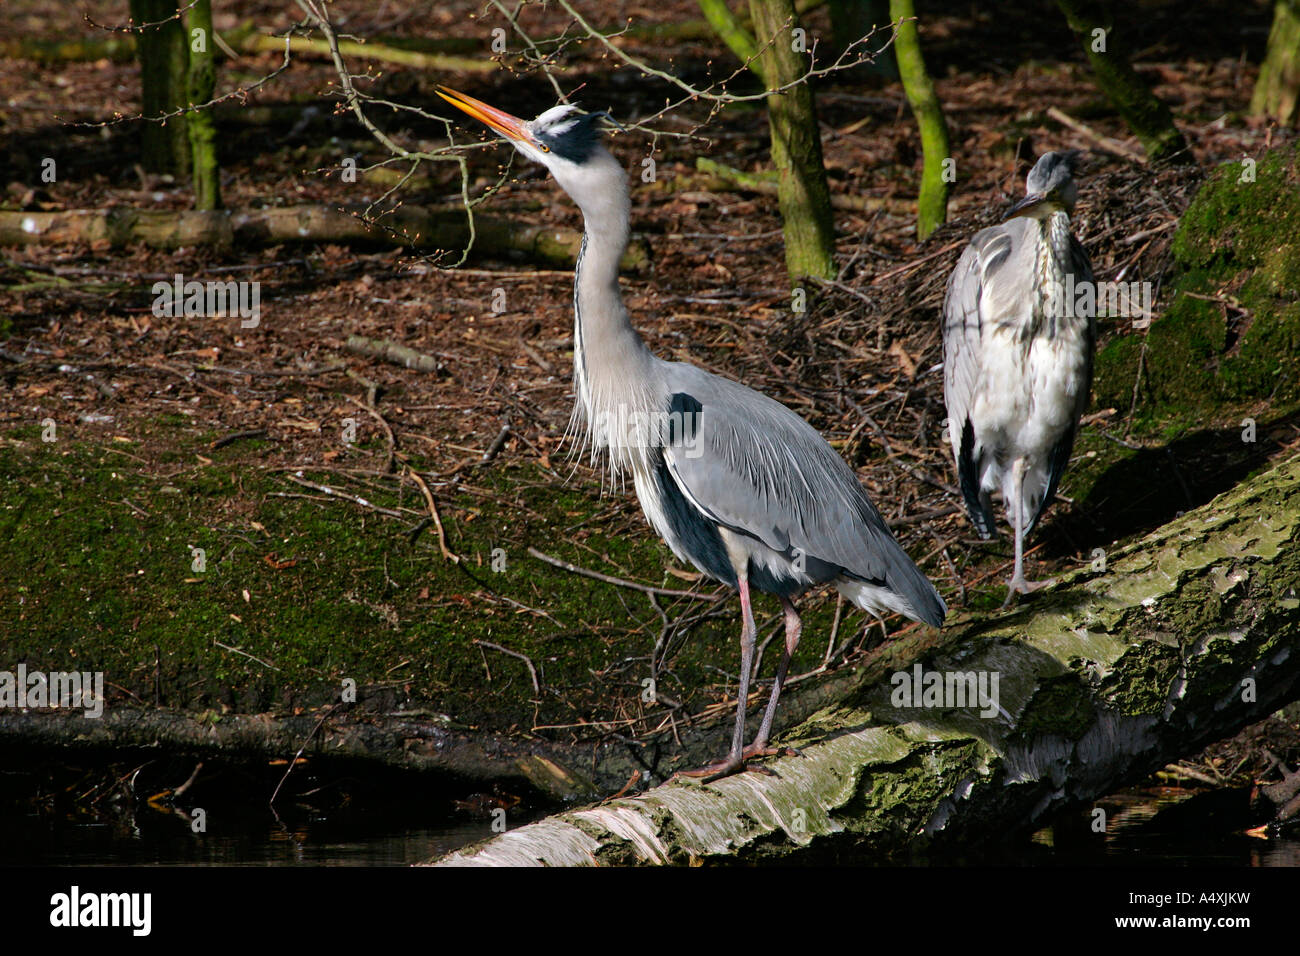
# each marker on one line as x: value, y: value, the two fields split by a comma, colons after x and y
x: 1018, y: 584
x: 793, y: 628
x: 735, y: 759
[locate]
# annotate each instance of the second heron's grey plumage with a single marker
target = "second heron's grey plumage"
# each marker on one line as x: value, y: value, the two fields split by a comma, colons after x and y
x: 1018, y: 355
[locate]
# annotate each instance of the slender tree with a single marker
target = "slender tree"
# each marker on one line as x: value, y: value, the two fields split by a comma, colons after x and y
x: 202, y: 81
x: 932, y: 202
x: 164, y: 72
x: 779, y: 58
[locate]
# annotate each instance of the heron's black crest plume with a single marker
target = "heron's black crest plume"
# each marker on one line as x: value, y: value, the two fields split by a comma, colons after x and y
x: 572, y: 135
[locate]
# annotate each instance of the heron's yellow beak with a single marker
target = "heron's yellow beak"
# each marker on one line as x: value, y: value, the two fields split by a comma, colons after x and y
x: 1032, y: 205
x: 511, y: 127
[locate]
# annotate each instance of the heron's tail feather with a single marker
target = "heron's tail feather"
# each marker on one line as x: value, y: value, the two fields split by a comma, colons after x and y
x: 978, y: 504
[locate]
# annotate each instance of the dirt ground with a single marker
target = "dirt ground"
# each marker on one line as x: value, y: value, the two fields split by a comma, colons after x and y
x: 304, y: 588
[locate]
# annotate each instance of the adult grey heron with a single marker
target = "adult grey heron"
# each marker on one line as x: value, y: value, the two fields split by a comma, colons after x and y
x: 1018, y: 355
x: 734, y: 482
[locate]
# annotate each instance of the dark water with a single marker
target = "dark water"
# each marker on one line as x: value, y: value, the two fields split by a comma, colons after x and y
x: 114, y: 814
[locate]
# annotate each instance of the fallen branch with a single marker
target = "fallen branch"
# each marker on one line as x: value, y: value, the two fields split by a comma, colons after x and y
x: 723, y: 176
x: 419, y: 227
x: 390, y: 351
x: 1104, y: 143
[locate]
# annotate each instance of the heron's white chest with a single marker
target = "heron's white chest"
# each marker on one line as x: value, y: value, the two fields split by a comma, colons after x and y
x: 1035, y: 363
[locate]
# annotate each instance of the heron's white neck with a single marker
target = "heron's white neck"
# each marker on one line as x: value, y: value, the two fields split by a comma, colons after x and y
x: 1053, y: 254
x: 611, y: 364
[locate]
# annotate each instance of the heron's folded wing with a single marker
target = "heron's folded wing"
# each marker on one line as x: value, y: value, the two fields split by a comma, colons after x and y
x: 756, y: 468
x: 963, y: 331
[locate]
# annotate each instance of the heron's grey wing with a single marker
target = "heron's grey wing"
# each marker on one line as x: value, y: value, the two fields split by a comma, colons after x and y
x: 1060, y: 454
x: 963, y: 331
x: 760, y: 470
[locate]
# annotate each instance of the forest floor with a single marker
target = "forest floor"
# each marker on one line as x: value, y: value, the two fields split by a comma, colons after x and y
x: 302, y: 588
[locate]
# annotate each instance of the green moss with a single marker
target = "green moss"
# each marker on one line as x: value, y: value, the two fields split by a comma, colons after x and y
x: 1229, y: 335
x: 310, y: 592
x: 1060, y: 705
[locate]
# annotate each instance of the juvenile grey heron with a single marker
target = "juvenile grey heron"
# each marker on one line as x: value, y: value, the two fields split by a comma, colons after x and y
x: 1018, y: 355
x: 734, y: 482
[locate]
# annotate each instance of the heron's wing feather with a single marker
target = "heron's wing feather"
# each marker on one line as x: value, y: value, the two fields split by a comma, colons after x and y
x: 1060, y: 454
x: 758, y: 469
x: 963, y: 333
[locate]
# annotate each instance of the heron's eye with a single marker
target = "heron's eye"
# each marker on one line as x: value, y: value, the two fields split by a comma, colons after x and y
x: 543, y: 147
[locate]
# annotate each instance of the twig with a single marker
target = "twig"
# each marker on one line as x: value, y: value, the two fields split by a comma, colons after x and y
x: 498, y: 443
x: 388, y: 431
x: 298, y: 756
x: 237, y: 436
x: 916, y: 262
x: 433, y: 513
x: 355, y: 499
x: 188, y: 783
x: 390, y: 351
x: 620, y: 582
x: 532, y: 671
x: 235, y: 650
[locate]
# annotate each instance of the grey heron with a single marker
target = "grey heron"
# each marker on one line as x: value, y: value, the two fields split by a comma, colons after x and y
x: 734, y: 482
x: 1018, y: 355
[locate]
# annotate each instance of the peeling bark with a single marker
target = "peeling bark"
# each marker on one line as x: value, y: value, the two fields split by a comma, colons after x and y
x: 1102, y: 679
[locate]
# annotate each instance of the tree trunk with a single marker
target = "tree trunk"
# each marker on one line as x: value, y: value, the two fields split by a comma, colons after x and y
x: 1277, y: 91
x: 1146, y: 115
x: 732, y: 32
x: 803, y: 194
x: 1185, y: 637
x: 202, y: 82
x: 164, y: 74
x: 932, y: 202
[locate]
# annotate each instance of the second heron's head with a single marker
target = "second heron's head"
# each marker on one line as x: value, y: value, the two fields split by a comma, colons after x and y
x: 564, y: 139
x: 1049, y: 187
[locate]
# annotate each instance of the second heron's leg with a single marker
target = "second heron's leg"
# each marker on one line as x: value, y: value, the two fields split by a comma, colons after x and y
x: 793, y: 628
x: 1018, y: 584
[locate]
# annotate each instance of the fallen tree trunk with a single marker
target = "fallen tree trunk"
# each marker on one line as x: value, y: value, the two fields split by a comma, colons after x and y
x: 420, y: 227
x: 1181, y: 639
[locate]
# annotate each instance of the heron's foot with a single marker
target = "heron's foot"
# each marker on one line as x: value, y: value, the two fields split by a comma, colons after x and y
x: 724, y: 768
x: 739, y: 764
x: 761, y: 749
x: 1021, y: 586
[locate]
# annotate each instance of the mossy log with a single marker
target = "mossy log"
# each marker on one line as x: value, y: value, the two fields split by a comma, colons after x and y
x: 1227, y: 333
x: 1183, y: 638
x: 419, y: 227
